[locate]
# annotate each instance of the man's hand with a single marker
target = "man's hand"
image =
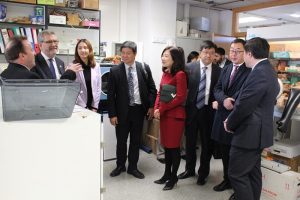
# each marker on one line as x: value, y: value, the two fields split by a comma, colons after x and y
x: 225, y: 127
x: 150, y: 113
x: 215, y: 105
x: 75, y: 67
x: 114, y: 121
x: 228, y: 103
x: 156, y: 114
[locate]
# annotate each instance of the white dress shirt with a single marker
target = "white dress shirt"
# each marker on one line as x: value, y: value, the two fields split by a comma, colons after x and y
x: 208, y: 80
x: 57, y: 73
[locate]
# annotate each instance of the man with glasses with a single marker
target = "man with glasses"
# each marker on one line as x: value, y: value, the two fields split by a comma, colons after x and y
x: 226, y: 91
x: 48, y: 66
x: 203, y: 75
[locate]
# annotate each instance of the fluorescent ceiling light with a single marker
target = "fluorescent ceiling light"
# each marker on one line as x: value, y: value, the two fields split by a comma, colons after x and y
x: 250, y: 19
x: 295, y: 15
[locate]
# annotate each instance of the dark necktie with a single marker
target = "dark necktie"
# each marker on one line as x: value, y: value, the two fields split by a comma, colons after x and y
x: 235, y: 69
x: 201, y: 91
x: 52, y: 68
x: 130, y: 86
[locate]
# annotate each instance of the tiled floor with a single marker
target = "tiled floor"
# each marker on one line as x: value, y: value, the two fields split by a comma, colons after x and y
x: 126, y: 187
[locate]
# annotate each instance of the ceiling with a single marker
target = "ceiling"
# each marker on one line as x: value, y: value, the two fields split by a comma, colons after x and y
x: 273, y: 16
x: 222, y: 4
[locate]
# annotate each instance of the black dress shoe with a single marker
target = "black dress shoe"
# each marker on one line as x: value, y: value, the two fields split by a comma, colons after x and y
x: 232, y: 197
x: 136, y: 173
x: 118, y: 171
x: 222, y: 186
x: 162, y: 180
x: 170, y: 184
x: 201, y: 181
x: 186, y: 174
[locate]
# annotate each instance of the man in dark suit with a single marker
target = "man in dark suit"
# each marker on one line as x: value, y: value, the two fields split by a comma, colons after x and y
x: 48, y: 66
x: 251, y: 122
x: 20, y: 57
x: 202, y: 76
x: 131, y: 95
x: 220, y: 58
x: 226, y: 91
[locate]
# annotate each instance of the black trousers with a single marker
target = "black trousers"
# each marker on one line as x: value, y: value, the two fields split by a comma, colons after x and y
x: 245, y: 173
x: 202, y: 122
x: 134, y: 126
x: 225, y: 149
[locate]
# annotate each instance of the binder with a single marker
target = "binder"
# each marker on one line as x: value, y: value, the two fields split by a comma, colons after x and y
x: 35, y: 41
x: 2, y: 47
x: 10, y: 33
x: 22, y: 31
x: 16, y: 31
x: 5, y: 36
x: 29, y: 36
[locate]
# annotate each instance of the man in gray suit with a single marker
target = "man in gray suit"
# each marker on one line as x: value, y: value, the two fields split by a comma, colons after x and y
x: 203, y: 75
x: 251, y: 122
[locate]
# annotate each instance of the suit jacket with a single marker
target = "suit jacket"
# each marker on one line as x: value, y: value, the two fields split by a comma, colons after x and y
x: 222, y: 91
x: 17, y: 71
x: 117, y: 95
x: 252, y: 116
x: 43, y: 70
x: 174, y: 108
x: 96, y: 87
x: 193, y: 70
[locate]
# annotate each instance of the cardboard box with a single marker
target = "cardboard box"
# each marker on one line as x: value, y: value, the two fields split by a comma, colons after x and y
x: 24, y: 1
x: 153, y: 128
x: 73, y: 19
x: 89, y: 4
x: 61, y: 3
x: 151, y: 142
x: 276, y: 186
x: 294, y: 163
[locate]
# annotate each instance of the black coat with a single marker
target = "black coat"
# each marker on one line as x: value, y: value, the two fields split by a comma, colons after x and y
x: 252, y: 116
x: 223, y: 91
x: 17, y: 71
x: 193, y: 70
x: 118, y: 97
x: 43, y: 70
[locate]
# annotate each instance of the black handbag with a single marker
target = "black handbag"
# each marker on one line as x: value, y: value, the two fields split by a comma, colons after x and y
x: 167, y: 93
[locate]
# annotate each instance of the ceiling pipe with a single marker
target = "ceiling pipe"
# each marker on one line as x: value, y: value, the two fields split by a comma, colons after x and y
x: 186, y: 13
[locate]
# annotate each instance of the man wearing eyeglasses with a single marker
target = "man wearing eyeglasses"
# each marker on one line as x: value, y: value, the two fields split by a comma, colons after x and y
x: 226, y: 91
x: 48, y: 66
x: 203, y: 75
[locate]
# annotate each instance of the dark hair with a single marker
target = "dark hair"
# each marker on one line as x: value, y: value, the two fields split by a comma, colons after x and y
x: 91, y: 58
x: 207, y: 44
x: 178, y: 62
x: 258, y: 47
x: 220, y: 51
x: 238, y: 40
x: 192, y: 55
x: 14, y: 48
x: 129, y: 44
x: 182, y: 53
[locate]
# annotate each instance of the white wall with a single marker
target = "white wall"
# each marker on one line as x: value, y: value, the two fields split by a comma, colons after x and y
x: 149, y: 23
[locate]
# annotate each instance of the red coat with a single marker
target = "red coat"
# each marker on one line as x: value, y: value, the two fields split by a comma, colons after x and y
x: 172, y: 114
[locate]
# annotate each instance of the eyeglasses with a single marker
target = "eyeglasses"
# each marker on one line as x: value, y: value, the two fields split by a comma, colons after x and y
x: 235, y: 51
x: 51, y: 41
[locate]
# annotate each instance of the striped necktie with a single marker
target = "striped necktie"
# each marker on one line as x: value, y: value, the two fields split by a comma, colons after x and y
x: 201, y: 91
x: 130, y: 86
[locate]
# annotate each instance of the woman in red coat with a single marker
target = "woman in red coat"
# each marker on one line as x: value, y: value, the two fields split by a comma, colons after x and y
x: 172, y: 113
